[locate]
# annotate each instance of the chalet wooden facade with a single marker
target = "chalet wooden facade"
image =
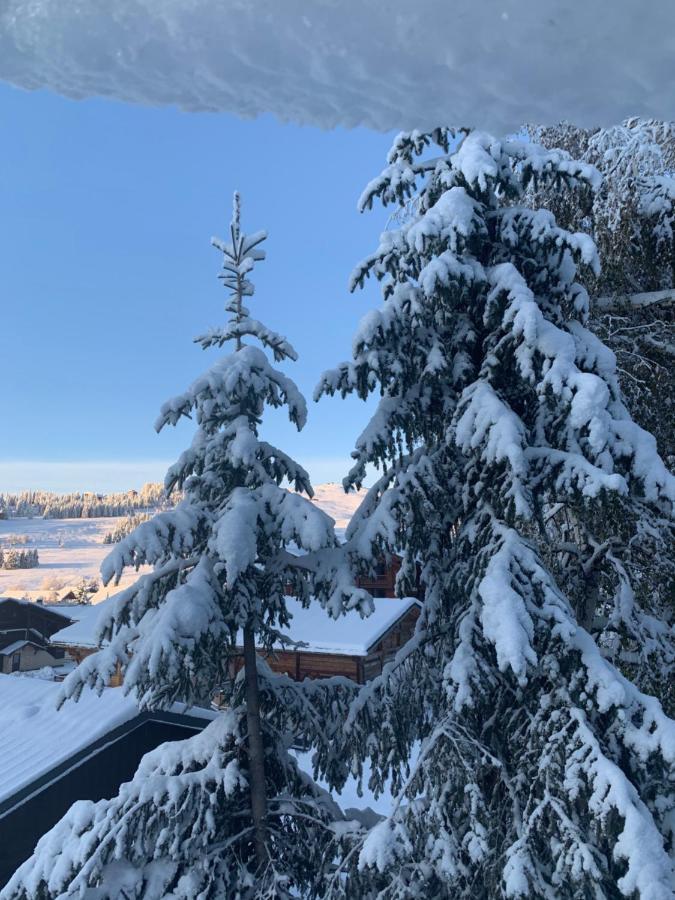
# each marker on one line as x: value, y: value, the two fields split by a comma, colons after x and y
x: 382, y: 583
x: 25, y: 632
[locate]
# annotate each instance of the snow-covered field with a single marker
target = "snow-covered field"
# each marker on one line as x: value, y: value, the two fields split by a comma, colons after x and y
x: 69, y: 550
x: 72, y: 549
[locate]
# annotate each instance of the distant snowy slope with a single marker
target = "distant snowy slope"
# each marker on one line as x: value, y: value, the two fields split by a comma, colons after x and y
x: 72, y: 549
x: 333, y: 500
x: 69, y: 550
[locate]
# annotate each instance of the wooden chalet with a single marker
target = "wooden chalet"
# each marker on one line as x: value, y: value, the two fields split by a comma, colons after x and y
x: 351, y: 646
x: 25, y: 631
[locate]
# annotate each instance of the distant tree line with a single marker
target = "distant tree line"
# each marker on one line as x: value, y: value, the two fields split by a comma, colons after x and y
x: 19, y: 559
x: 125, y: 527
x: 86, y: 505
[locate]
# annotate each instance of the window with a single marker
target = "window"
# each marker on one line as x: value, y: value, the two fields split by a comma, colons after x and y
x: 16, y: 662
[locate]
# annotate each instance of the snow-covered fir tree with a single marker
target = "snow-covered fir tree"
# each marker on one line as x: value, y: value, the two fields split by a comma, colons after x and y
x: 640, y: 330
x: 125, y: 527
x: 526, y: 764
x: 632, y: 214
x: 228, y: 813
x: 631, y: 218
x: 13, y: 558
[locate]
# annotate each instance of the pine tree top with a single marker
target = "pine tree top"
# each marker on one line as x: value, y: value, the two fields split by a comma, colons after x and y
x: 240, y: 254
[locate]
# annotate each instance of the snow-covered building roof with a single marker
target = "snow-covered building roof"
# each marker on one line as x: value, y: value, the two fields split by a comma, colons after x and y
x: 350, y: 635
x: 17, y: 645
x: 82, y: 632
x: 35, y: 736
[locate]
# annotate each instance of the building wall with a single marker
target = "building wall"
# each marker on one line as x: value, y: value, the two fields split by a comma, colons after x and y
x: 383, y: 583
x: 31, y: 658
x: 35, y: 658
x: 307, y: 665
x: 5, y: 664
x: 387, y: 648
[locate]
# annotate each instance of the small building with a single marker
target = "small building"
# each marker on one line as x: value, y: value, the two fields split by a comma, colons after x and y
x: 25, y: 632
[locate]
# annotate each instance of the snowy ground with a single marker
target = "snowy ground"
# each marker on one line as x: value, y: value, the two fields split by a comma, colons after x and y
x: 71, y: 549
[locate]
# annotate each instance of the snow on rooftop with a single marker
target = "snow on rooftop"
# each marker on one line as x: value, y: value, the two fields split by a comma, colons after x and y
x: 82, y: 633
x: 35, y: 736
x: 17, y: 645
x: 350, y: 635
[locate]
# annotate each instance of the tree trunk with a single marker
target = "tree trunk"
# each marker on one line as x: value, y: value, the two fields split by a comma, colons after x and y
x: 256, y: 751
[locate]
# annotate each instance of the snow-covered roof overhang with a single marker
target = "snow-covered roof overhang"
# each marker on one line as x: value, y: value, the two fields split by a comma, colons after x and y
x: 350, y: 634
x: 18, y: 645
x: 380, y: 65
x: 38, y: 743
x: 35, y: 736
x: 83, y: 632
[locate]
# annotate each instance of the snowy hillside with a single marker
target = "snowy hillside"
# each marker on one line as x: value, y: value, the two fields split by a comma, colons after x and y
x: 333, y: 500
x: 72, y: 549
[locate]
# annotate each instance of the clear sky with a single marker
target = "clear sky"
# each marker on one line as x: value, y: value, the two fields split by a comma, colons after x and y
x: 106, y: 215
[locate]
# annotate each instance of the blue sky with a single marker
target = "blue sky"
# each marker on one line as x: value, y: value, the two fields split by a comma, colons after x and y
x: 106, y: 215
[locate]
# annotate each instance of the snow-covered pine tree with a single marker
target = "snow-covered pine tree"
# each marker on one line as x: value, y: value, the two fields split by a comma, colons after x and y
x: 228, y: 813
x: 632, y: 220
x: 632, y: 214
x: 541, y: 771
